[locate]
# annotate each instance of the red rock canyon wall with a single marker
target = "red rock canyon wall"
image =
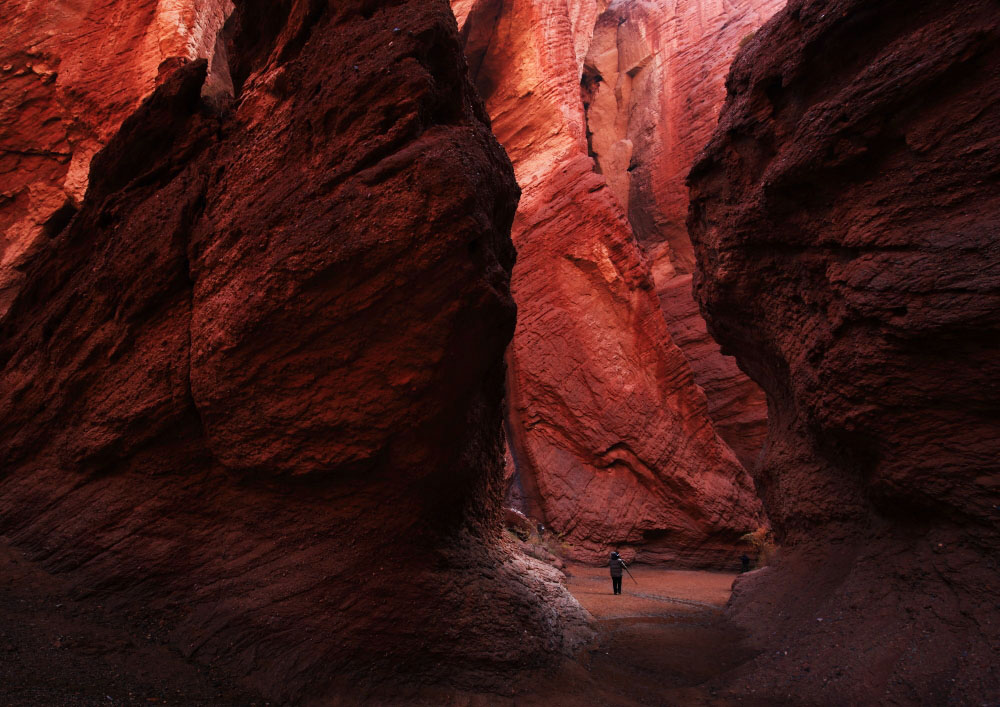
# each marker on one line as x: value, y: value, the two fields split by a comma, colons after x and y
x: 846, y: 217
x: 661, y: 69
x: 614, y: 440
x: 251, y: 382
x: 69, y: 74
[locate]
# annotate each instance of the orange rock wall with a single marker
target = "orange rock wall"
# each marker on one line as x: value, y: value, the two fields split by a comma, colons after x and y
x: 609, y: 430
x: 662, y: 68
x: 653, y: 84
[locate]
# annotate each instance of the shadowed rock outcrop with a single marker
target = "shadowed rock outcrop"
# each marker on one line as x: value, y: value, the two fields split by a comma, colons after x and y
x: 846, y: 218
x: 251, y: 392
x: 613, y: 439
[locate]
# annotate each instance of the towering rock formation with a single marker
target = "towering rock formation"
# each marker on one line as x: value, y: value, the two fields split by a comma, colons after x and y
x: 846, y: 217
x: 251, y: 390
x: 599, y: 108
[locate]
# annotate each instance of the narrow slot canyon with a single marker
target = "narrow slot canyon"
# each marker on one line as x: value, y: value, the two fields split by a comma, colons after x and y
x: 340, y: 344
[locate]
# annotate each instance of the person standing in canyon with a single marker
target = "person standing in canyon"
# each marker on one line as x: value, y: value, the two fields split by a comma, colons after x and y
x: 617, y: 564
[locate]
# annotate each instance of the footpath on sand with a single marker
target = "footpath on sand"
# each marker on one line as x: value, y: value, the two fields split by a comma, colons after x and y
x: 664, y: 641
x: 650, y: 591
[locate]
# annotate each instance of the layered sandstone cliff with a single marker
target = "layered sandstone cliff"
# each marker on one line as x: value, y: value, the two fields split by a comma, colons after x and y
x: 250, y: 390
x: 653, y: 86
x: 845, y: 217
x: 611, y: 433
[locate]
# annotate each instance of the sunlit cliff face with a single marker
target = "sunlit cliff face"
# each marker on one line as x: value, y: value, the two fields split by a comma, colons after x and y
x: 622, y: 417
x: 70, y: 75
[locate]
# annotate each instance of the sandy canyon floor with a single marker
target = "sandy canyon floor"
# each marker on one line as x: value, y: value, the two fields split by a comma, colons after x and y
x: 664, y: 641
x: 60, y: 649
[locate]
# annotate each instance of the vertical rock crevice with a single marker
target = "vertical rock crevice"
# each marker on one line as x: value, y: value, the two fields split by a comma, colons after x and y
x: 663, y: 87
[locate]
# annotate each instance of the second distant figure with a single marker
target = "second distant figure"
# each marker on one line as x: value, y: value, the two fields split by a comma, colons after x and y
x: 617, y: 565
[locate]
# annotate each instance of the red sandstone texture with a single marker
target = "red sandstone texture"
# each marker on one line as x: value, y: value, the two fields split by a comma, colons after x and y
x: 251, y: 392
x: 69, y: 74
x: 736, y: 404
x: 846, y: 217
x: 653, y: 86
x: 614, y: 442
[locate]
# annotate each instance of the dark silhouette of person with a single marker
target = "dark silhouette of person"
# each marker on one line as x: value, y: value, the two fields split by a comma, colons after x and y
x: 616, y: 564
x: 745, y: 561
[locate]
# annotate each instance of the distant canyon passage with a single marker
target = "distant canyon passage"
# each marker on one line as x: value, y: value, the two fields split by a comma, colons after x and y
x: 259, y: 348
x: 627, y: 426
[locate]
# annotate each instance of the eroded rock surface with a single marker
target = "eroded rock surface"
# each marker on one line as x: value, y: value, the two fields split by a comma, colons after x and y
x: 846, y: 217
x: 69, y: 74
x: 611, y: 436
x: 251, y: 393
x: 652, y: 88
